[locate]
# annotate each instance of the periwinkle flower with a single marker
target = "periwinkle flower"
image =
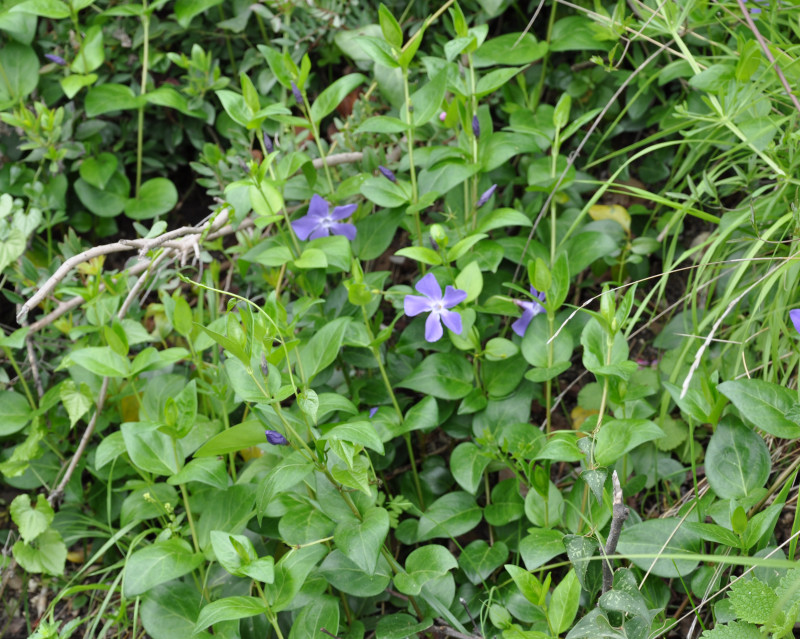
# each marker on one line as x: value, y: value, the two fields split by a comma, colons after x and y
x: 529, y: 311
x: 437, y: 305
x: 275, y: 438
x: 320, y: 222
x: 268, y: 144
x: 387, y: 173
x: 56, y: 58
x: 297, y: 95
x: 794, y: 315
x: 476, y: 126
x: 484, y: 198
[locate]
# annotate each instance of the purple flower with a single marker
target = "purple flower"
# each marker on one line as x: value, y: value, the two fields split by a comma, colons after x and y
x: 56, y: 58
x: 442, y: 116
x: 297, y: 95
x: 484, y: 198
x: 275, y: 438
x: 372, y: 411
x: 476, y: 126
x: 387, y: 174
x: 794, y: 315
x: 320, y: 222
x: 432, y: 302
x: 529, y: 311
x: 268, y: 144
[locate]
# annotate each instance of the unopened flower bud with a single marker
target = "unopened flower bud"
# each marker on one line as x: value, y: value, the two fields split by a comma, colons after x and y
x: 275, y: 438
x: 443, y: 116
x: 387, y: 174
x: 476, y: 126
x: 297, y: 95
x: 268, y: 144
x: 484, y: 198
x: 56, y: 58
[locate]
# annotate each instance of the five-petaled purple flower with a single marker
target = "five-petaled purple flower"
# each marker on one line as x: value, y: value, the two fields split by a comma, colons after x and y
x: 56, y: 58
x: 320, y: 222
x: 432, y: 302
x: 529, y: 311
x: 297, y: 95
x: 387, y: 173
x: 794, y: 315
x: 484, y: 198
x: 275, y: 438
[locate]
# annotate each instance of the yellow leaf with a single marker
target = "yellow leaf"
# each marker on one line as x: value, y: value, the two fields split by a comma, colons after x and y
x: 614, y: 212
x: 251, y: 453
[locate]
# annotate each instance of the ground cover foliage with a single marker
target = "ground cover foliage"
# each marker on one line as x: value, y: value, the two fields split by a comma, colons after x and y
x: 343, y: 320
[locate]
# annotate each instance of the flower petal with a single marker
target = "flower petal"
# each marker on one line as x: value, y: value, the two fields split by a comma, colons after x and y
x: 344, y: 228
x: 414, y: 305
x: 342, y: 212
x: 320, y: 231
x: 452, y: 320
x: 318, y: 208
x: 521, y: 325
x: 453, y: 296
x: 794, y: 315
x: 305, y: 226
x: 433, y: 328
x: 429, y: 287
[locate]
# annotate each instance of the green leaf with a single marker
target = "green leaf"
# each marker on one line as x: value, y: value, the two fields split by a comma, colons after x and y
x: 47, y: 554
x: 20, y: 75
x: 228, y: 609
x: 31, y: 521
x: 479, y: 559
x: 427, y: 101
x: 54, y: 9
x: 494, y: 80
x: 384, y: 192
x: 204, y: 470
x: 655, y: 537
x: 470, y: 279
x: 467, y: 465
x: 321, y: 612
x: 150, y: 449
x: 294, y: 468
x: 156, y: 564
x: 564, y: 602
x: 423, y: 565
x: 506, y: 50
x: 377, y: 50
x: 382, y: 124
x: 16, y: 412
x: 111, y: 97
x: 332, y: 96
x: 101, y: 360
x: 421, y: 254
x: 323, y: 347
x: 540, y: 546
x: 576, y: 33
x: 11, y: 247
x: 362, y: 433
x: 170, y: 611
x: 502, y: 218
x: 390, y: 27
x: 528, y: 584
x: 763, y: 404
x: 586, y: 248
x: 400, y: 626
x: 362, y: 541
x: 156, y: 197
x: 97, y: 171
x: 185, y: 10
x: 311, y: 258
x: 92, y: 53
x: 753, y: 600
x: 737, y: 460
x: 107, y: 202
x: 346, y: 576
x: 441, y: 375
x: 619, y: 436
x: 452, y: 515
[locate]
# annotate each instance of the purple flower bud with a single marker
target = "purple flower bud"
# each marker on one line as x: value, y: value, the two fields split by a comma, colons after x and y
x: 442, y: 116
x: 484, y: 198
x: 372, y: 411
x: 264, y: 367
x: 794, y: 315
x: 275, y: 438
x: 387, y: 174
x: 476, y: 126
x: 56, y: 58
x: 297, y: 95
x: 268, y: 144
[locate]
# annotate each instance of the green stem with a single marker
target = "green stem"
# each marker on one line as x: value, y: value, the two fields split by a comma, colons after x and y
x: 540, y: 85
x: 411, y: 168
x: 273, y: 618
x: 143, y: 91
x: 315, y: 131
x: 18, y: 371
x: 185, y: 497
x: 407, y: 436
